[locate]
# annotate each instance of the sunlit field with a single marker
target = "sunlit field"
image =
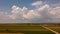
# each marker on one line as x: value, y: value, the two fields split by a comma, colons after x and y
x: 29, y: 28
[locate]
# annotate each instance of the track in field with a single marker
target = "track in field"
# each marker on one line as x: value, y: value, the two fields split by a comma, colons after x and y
x: 53, y: 27
x: 50, y: 29
x: 24, y: 29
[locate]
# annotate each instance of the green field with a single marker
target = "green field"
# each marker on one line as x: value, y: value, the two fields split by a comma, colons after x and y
x: 28, y: 28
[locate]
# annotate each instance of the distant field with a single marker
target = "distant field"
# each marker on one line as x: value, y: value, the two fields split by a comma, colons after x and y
x: 28, y: 28
x: 55, y: 27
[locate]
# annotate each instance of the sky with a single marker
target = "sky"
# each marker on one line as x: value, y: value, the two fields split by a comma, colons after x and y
x: 29, y: 11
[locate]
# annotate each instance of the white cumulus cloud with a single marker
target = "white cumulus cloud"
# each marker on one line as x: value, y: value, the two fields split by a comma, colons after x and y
x: 55, y: 12
x: 37, y: 4
x: 43, y: 13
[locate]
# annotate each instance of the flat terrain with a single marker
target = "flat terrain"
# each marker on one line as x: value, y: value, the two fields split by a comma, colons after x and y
x: 55, y: 27
x: 29, y: 28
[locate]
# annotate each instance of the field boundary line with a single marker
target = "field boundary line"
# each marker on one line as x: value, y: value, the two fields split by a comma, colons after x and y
x: 50, y: 29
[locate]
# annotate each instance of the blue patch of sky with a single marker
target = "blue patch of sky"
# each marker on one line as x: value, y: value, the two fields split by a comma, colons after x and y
x: 5, y: 5
x: 52, y: 3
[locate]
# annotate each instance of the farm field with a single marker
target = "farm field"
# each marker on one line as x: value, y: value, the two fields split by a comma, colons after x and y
x: 29, y: 28
x: 55, y: 27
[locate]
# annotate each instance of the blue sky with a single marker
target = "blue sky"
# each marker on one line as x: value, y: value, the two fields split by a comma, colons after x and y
x: 29, y: 11
x: 5, y: 5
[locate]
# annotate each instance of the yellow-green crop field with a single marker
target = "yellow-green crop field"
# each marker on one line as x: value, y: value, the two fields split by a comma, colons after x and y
x: 29, y: 28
